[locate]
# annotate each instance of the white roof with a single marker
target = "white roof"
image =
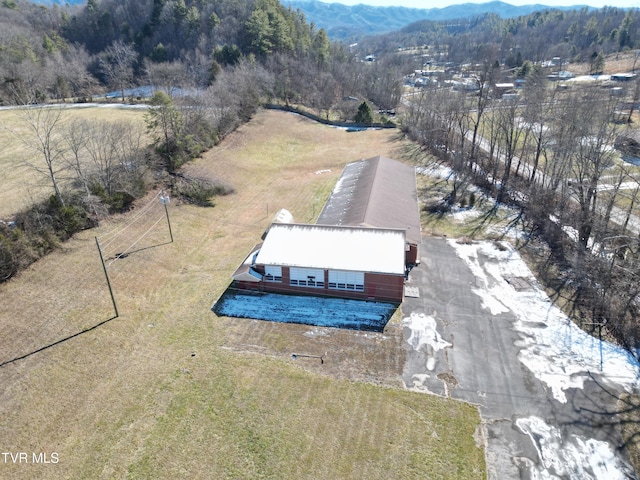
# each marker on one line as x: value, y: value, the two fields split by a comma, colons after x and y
x: 336, y: 248
x: 283, y: 216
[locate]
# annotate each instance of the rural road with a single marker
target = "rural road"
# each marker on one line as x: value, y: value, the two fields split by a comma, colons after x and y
x: 474, y: 355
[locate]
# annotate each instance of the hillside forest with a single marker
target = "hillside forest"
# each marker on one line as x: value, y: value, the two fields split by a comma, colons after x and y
x: 213, y: 63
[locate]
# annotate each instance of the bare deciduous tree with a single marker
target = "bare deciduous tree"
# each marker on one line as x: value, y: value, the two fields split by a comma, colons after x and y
x: 168, y: 76
x: 44, y: 137
x: 76, y: 136
x: 117, y: 65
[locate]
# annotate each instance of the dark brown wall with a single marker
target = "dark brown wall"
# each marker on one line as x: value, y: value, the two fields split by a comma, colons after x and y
x: 388, y: 288
x: 411, y: 256
x: 384, y: 287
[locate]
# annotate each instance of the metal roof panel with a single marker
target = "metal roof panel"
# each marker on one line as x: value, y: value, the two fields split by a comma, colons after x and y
x: 334, y: 247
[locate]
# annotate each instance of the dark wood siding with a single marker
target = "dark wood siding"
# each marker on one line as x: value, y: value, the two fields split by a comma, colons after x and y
x: 379, y: 287
x: 411, y: 257
x: 384, y: 287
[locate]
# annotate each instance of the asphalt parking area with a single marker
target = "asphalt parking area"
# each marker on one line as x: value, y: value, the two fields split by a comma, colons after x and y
x: 306, y: 310
x: 483, y: 331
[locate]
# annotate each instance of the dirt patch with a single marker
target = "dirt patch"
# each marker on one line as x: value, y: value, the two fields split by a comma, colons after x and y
x: 346, y: 354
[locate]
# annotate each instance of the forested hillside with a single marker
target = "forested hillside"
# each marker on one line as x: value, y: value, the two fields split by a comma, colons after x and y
x: 54, y: 52
x: 573, y: 35
x: 353, y: 21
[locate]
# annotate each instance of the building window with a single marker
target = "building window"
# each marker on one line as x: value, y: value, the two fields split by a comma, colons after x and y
x: 272, y: 274
x: 306, y: 277
x: 341, y: 280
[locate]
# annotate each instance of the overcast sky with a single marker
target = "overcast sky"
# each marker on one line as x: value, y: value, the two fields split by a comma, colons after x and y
x: 444, y: 3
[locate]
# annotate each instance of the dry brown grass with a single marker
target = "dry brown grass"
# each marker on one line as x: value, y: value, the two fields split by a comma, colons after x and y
x: 614, y: 63
x: 22, y: 185
x: 168, y: 390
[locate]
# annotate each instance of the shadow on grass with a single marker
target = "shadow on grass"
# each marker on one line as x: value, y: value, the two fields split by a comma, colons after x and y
x: 117, y: 256
x: 125, y: 254
x: 65, y: 339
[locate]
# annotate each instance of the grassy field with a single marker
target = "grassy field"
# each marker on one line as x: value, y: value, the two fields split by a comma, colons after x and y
x: 169, y: 390
x: 22, y: 185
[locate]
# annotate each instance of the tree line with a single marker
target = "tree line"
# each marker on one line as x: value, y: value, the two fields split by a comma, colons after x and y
x: 550, y: 154
x: 579, y: 35
x: 76, y: 52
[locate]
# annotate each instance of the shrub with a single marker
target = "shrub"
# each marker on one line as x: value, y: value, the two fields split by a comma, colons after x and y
x: 8, y: 261
x: 116, y: 202
x: 39, y: 230
x: 199, y: 191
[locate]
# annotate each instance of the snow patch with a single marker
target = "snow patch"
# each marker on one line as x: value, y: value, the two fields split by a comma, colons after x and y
x: 573, y: 458
x: 436, y: 170
x: 420, y: 382
x: 466, y: 214
x: 558, y: 352
x: 424, y: 333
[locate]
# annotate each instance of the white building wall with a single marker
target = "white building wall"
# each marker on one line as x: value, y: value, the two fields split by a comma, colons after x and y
x: 306, y: 277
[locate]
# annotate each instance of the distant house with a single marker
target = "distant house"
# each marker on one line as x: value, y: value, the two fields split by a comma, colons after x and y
x: 502, y: 89
x: 363, y: 244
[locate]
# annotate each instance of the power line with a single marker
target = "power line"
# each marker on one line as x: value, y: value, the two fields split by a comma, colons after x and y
x: 117, y: 244
x: 124, y: 253
x: 116, y: 232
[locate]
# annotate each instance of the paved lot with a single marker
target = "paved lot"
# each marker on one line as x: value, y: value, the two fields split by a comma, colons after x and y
x: 473, y: 353
x: 306, y: 310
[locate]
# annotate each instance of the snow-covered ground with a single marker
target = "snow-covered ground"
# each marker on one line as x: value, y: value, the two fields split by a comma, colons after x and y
x: 425, y: 337
x: 557, y: 351
x: 576, y: 458
x: 559, y: 354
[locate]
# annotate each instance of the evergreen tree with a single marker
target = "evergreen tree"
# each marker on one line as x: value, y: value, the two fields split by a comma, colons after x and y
x: 364, y: 114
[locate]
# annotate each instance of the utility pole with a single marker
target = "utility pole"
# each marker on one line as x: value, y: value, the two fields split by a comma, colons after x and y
x: 106, y: 274
x: 164, y: 199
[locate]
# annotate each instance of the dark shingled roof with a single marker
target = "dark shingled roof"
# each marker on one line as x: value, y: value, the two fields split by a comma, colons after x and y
x: 376, y: 192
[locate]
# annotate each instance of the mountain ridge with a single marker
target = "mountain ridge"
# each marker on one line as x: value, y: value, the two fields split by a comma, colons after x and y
x: 350, y: 22
x: 343, y: 21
